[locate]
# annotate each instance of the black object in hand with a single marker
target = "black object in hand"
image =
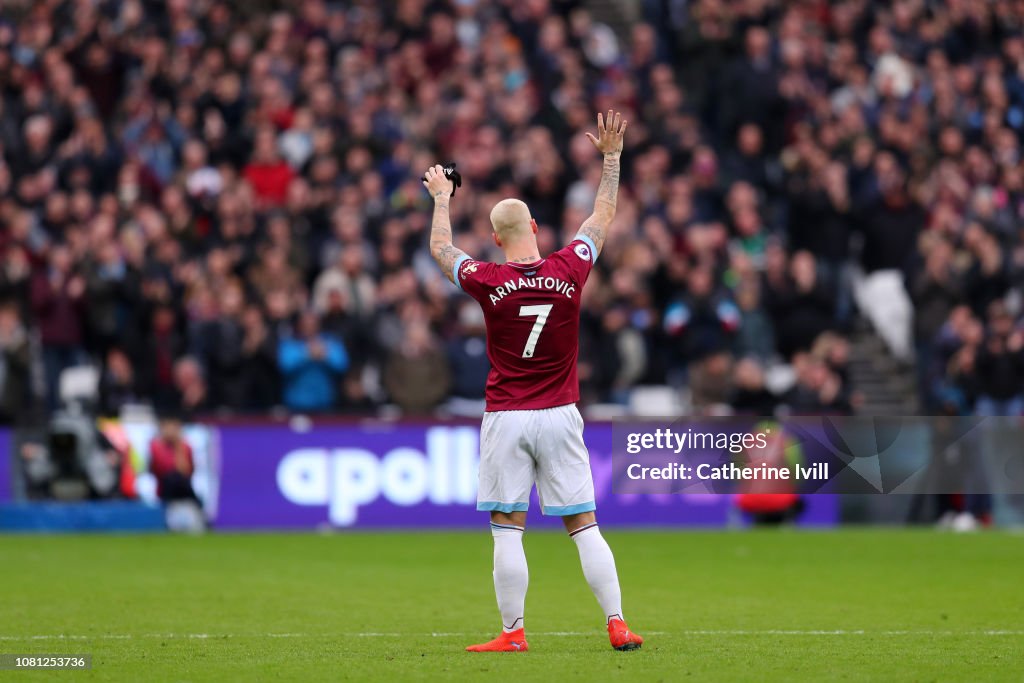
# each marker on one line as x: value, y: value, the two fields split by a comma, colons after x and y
x: 451, y: 174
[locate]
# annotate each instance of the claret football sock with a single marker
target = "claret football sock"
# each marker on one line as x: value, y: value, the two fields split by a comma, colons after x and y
x: 599, y: 569
x: 511, y: 575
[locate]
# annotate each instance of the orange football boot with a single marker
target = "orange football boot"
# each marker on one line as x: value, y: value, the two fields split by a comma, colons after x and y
x: 513, y: 641
x: 621, y: 637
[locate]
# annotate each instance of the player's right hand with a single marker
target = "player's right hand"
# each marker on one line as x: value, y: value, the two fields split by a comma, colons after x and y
x: 609, y: 133
x: 437, y: 183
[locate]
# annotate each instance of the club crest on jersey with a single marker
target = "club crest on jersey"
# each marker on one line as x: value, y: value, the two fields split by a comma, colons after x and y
x: 469, y: 267
x: 583, y: 251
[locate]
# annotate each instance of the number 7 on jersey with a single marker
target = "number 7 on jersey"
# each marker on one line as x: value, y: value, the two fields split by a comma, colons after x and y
x: 541, y: 311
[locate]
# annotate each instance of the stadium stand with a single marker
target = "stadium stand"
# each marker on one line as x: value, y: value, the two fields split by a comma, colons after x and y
x: 198, y: 198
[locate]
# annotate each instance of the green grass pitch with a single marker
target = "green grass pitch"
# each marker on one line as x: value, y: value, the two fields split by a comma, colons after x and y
x: 890, y: 605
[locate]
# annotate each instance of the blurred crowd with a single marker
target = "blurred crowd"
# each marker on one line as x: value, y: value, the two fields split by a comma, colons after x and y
x: 218, y: 206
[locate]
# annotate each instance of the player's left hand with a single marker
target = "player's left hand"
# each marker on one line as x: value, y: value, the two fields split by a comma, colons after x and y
x: 437, y: 183
x: 609, y: 133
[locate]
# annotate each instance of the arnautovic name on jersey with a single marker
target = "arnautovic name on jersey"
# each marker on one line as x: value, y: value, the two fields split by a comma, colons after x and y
x: 541, y: 283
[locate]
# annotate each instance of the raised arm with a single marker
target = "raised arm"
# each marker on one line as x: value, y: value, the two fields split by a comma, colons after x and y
x: 441, y: 248
x: 608, y: 143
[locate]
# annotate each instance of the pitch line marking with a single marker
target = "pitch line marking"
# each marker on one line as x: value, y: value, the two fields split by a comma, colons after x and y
x: 462, y: 634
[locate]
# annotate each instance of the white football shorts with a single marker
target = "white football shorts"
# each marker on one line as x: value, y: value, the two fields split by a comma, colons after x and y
x: 520, y: 448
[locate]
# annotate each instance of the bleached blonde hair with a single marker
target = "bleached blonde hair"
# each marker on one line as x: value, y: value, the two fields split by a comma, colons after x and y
x: 511, y: 220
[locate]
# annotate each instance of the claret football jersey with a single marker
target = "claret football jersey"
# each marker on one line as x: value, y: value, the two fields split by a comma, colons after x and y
x: 532, y: 313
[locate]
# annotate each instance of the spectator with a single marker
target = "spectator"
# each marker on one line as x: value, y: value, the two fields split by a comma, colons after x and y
x: 935, y: 290
x: 467, y: 358
x: 750, y: 396
x: 999, y: 365
x: 16, y: 277
x: 621, y: 347
x: 954, y: 355
x: 802, y: 304
x: 191, y: 397
x: 108, y: 290
x: 267, y: 173
x: 704, y: 321
x: 348, y: 277
x: 416, y: 375
x: 57, y: 303
x: 15, y: 366
x: 118, y: 386
x: 819, y: 390
x: 820, y: 217
x: 753, y: 79
x: 155, y: 141
x: 260, y: 378
x: 988, y: 279
x: 163, y: 346
x: 756, y: 337
x: 311, y: 364
x: 222, y: 349
x: 749, y: 162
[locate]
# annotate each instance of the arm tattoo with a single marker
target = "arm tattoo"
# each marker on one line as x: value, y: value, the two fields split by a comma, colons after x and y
x: 441, y: 247
x: 608, y: 189
x: 596, y: 227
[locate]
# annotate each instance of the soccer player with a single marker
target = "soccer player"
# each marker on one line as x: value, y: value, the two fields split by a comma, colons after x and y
x: 532, y: 432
